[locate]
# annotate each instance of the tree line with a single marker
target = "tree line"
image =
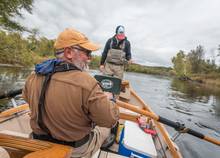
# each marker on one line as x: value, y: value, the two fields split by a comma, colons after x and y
x: 194, y: 62
x: 26, y: 51
x: 15, y: 49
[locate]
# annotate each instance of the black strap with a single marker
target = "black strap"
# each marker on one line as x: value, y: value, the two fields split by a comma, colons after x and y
x: 65, y: 67
x: 74, y: 144
x: 41, y: 105
x: 115, y: 63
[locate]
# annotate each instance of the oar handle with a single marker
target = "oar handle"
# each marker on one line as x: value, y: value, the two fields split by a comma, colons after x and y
x: 173, y: 124
x: 212, y: 140
x: 11, y: 93
x: 12, y: 111
x: 135, y: 109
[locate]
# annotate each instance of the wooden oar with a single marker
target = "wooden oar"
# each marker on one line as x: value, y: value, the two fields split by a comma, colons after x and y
x: 15, y: 110
x: 170, y: 123
x: 10, y: 94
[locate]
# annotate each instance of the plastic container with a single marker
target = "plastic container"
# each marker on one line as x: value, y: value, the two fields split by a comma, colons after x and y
x: 134, y: 142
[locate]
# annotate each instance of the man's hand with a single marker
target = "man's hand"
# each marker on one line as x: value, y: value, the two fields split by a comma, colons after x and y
x: 109, y: 95
x: 101, y: 68
x: 130, y: 61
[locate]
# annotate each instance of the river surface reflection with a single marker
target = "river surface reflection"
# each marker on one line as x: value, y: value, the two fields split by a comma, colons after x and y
x: 11, y: 78
x: 196, y: 106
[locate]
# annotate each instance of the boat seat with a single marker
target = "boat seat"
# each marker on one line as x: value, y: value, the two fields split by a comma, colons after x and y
x: 125, y: 83
x: 30, y: 148
x: 126, y: 94
x: 3, y: 152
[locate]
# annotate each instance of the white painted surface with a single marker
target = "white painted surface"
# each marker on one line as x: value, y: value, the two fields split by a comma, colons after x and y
x: 137, y: 140
x: 13, y: 133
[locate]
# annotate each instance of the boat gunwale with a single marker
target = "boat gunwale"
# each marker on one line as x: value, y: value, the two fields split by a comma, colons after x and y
x: 175, y: 152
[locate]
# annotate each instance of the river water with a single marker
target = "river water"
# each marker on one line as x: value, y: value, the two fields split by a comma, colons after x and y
x: 196, y: 106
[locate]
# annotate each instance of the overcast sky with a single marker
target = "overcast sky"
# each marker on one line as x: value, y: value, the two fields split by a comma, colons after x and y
x: 157, y: 29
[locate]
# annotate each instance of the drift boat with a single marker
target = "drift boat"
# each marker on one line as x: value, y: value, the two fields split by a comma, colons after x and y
x: 131, y: 140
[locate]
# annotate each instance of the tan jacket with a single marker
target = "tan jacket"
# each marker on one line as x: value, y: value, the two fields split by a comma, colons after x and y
x: 73, y: 101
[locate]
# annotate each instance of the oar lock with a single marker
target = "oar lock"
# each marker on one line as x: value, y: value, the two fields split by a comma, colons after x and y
x: 180, y: 130
x: 180, y: 126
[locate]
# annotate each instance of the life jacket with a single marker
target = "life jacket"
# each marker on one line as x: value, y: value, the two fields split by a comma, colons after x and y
x: 116, y: 56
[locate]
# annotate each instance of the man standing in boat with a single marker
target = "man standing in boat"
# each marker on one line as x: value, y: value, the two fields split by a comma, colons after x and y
x: 67, y: 104
x: 116, y: 54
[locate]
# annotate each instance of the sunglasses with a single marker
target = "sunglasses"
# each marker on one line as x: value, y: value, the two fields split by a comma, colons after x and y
x: 87, y: 52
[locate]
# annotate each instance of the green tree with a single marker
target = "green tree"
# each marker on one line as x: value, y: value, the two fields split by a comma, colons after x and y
x: 179, y: 63
x: 208, y: 66
x: 188, y: 66
x: 40, y: 45
x: 10, y: 9
x: 44, y: 47
x: 195, y: 58
x: 193, y: 63
x: 32, y: 39
x: 13, y: 49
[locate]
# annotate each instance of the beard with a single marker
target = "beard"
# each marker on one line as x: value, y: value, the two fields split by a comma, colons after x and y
x: 82, y: 65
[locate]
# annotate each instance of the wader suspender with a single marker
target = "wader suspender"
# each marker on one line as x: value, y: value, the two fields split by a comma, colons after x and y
x: 41, y: 105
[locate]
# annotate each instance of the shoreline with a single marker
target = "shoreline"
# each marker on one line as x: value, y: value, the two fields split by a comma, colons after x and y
x: 201, y: 79
x: 207, y: 81
x: 10, y: 65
